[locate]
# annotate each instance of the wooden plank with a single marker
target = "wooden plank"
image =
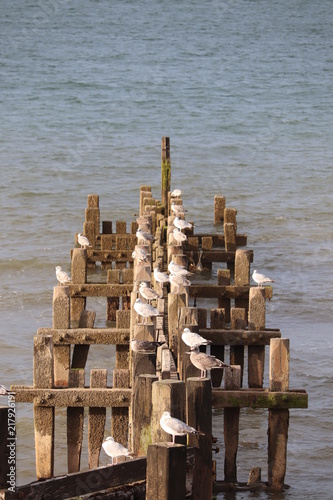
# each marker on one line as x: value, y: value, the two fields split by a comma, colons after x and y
x: 72, y: 396
x: 100, y: 290
x: 259, y: 398
x: 87, y: 336
x: 239, y: 337
x: 219, y: 241
x: 82, y: 483
x: 217, y: 255
x: 141, y: 414
x: 75, y: 418
x: 96, y: 419
x: 211, y: 291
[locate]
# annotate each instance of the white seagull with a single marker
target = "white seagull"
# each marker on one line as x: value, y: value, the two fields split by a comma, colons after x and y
x: 179, y: 236
x: 179, y: 280
x: 193, y: 339
x: 160, y: 277
x: 144, y: 345
x: 62, y: 276
x: 114, y: 449
x: 148, y: 293
x: 174, y: 268
x: 83, y: 241
x: 145, y: 310
x: 205, y: 361
x: 140, y: 255
x: 144, y: 236
x: 175, y: 427
x: 261, y: 278
x: 176, y: 193
x: 181, y: 224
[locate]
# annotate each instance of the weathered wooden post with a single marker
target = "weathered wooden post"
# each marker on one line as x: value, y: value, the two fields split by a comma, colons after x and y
x: 223, y: 279
x: 80, y: 351
x: 120, y: 414
x: 278, y: 420
x: 167, y: 395
x: 113, y: 277
x: 238, y: 322
x: 61, y: 319
x: 219, y: 206
x: 166, y: 172
x: 231, y: 426
x: 75, y: 418
x: 96, y: 419
x: 141, y: 414
x: 256, y: 353
x: 175, y: 302
x: 91, y: 226
x: 78, y: 276
x: 43, y: 377
x: 199, y: 397
x: 188, y: 318
x: 217, y: 321
x: 166, y: 472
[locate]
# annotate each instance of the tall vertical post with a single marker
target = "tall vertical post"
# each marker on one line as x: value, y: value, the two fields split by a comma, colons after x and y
x: 61, y: 319
x: 199, y: 396
x: 75, y: 417
x: 166, y: 172
x: 96, y: 419
x: 256, y: 353
x: 167, y: 395
x: 231, y: 426
x: 166, y: 472
x: 278, y: 420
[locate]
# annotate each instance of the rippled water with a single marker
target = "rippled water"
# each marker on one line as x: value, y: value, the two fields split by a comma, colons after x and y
x: 244, y: 90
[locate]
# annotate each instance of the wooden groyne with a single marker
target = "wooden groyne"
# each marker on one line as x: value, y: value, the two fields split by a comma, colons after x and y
x: 145, y: 384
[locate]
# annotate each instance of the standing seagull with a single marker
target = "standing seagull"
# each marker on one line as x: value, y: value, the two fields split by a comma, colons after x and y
x: 114, y: 449
x: 181, y: 224
x: 160, y: 277
x: 145, y: 310
x: 177, y: 209
x: 83, y: 241
x: 148, y: 293
x: 62, y: 276
x: 176, y: 427
x: 144, y: 236
x: 140, y: 255
x: 205, y: 361
x: 174, y: 268
x: 179, y: 236
x: 193, y: 339
x: 179, y: 280
x: 176, y: 193
x: 261, y: 278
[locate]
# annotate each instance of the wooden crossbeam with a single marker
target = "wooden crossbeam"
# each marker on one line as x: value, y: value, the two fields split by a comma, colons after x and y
x: 73, y: 397
x: 259, y: 398
x: 100, y: 290
x: 219, y: 240
x: 217, y: 255
x: 239, y: 337
x: 211, y: 291
x: 89, y: 336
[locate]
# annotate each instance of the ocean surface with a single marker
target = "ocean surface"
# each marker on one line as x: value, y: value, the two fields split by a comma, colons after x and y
x: 244, y: 90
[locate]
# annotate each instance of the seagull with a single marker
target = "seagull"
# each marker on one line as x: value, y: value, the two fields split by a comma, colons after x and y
x: 179, y: 280
x: 145, y: 310
x: 174, y: 268
x: 181, y: 224
x: 114, y: 449
x: 3, y: 390
x: 179, y: 236
x: 176, y: 427
x: 148, y: 293
x: 83, y: 241
x: 205, y: 361
x: 140, y: 255
x: 62, y: 276
x: 144, y: 235
x: 144, y: 345
x: 176, y: 193
x: 261, y: 278
x: 177, y: 209
x: 160, y: 277
x: 193, y: 339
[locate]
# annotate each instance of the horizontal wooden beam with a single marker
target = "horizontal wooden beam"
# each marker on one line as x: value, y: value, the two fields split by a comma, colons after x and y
x: 218, y: 238
x: 74, y: 397
x: 218, y: 255
x: 86, y: 336
x: 79, y: 484
x: 239, y: 337
x: 259, y: 398
x: 99, y: 290
x: 211, y: 291
x: 110, y: 255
